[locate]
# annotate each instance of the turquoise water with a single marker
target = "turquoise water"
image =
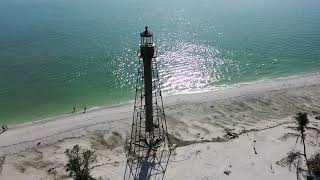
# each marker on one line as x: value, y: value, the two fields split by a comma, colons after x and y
x: 56, y: 54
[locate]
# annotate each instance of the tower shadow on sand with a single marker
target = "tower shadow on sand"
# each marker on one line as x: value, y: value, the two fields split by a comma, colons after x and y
x: 151, y: 165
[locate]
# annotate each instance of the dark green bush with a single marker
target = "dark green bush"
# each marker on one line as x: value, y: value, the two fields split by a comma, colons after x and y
x: 79, y: 161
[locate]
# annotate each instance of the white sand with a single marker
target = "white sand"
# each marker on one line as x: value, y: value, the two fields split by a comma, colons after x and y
x: 192, y: 117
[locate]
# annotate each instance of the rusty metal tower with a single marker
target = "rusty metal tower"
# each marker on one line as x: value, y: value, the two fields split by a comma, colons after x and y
x: 148, y: 146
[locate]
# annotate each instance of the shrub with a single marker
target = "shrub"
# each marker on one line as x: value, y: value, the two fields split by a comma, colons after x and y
x: 79, y: 161
x: 314, y: 163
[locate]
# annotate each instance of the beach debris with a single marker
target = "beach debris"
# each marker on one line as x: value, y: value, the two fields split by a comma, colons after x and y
x: 317, y: 117
x: 271, y: 169
x: 52, y: 172
x: 38, y: 144
x: 254, y: 147
x: 227, y: 172
x: 229, y: 134
x: 198, y: 135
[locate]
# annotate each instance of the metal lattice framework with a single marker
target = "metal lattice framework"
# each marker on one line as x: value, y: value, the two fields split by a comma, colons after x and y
x: 148, y: 152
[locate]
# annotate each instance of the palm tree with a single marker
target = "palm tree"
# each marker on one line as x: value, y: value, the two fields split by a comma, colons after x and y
x: 303, y: 121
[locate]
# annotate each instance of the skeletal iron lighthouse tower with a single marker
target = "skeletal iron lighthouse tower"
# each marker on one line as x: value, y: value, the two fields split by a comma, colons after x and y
x: 148, y: 146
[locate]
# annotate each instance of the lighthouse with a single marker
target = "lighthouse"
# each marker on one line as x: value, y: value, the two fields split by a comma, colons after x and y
x: 148, y: 147
x: 147, y: 54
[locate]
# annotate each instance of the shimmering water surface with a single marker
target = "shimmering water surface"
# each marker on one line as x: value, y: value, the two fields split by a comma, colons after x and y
x: 56, y: 54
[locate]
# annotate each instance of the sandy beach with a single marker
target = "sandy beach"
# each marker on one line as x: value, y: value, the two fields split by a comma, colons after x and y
x: 258, y: 114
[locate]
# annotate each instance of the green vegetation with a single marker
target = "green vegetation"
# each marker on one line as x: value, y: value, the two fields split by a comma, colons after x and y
x: 79, y: 162
x: 303, y: 121
x: 295, y: 158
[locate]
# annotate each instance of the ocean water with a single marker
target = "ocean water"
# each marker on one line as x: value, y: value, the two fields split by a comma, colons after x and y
x: 56, y: 54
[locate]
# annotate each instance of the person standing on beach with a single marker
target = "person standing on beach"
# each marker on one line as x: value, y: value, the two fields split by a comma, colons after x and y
x: 74, y: 109
x: 84, y: 109
x: 4, y: 128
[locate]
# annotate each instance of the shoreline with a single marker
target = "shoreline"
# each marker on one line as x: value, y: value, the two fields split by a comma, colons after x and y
x: 240, y: 107
x: 281, y: 82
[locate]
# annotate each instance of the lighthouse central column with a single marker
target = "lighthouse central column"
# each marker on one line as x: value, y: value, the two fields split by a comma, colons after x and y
x: 148, y: 93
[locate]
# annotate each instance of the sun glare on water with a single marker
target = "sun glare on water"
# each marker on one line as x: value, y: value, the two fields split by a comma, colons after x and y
x: 191, y: 66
